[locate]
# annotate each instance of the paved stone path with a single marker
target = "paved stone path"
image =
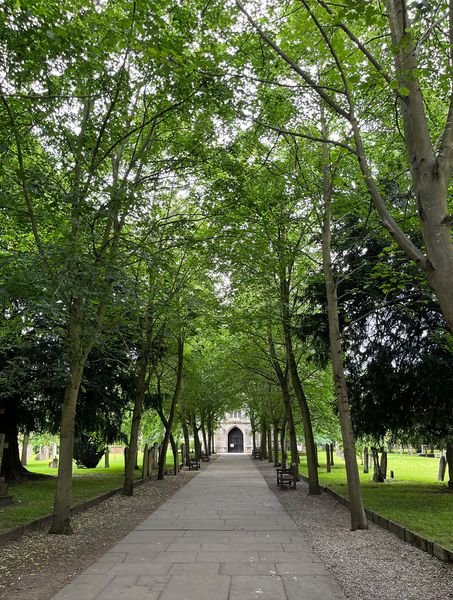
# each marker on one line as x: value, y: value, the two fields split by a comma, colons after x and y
x: 224, y: 536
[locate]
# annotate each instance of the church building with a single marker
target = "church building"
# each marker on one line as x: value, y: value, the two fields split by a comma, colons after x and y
x: 234, y: 434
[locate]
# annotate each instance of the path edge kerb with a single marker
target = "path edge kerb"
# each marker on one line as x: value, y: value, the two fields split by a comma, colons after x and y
x: 11, y: 535
x: 410, y: 537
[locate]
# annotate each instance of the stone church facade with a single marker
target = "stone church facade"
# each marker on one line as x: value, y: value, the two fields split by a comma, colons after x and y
x: 234, y: 434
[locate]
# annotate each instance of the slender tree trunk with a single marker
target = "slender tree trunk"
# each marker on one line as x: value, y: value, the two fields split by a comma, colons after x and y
x: 283, y: 441
x: 196, y: 440
x: 174, y: 448
x: 185, y: 433
x: 78, y: 355
x: 292, y: 434
x: 263, y: 439
x: 209, y: 452
x: 269, y: 443
x: 313, y: 480
x: 140, y: 389
x: 171, y: 418
x: 205, y: 439
x: 254, y: 439
x: 276, y: 432
x: 358, y: 518
x: 62, y: 503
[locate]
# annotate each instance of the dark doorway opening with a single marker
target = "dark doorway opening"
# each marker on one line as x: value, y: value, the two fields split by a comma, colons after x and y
x: 235, y: 440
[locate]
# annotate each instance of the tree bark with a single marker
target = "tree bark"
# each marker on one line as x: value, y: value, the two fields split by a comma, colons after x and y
x: 140, y: 390
x: 263, y: 439
x: 276, y: 432
x: 430, y: 171
x: 174, y: 449
x: 171, y: 417
x: 358, y: 518
x: 283, y: 441
x: 185, y: 433
x: 78, y: 355
x: 205, y: 439
x: 313, y: 480
x: 269, y: 444
x: 196, y: 440
x: 12, y: 467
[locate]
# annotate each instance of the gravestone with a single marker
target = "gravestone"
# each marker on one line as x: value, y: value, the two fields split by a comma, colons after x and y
x: 4, y: 497
x: 442, y: 468
x: 328, y: 462
x: 366, y: 460
x: 145, y: 466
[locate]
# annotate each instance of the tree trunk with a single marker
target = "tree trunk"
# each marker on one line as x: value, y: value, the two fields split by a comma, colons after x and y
x: 292, y: 432
x: 209, y: 452
x: 313, y: 480
x: 449, y: 457
x: 269, y: 444
x: 263, y: 440
x: 185, y: 433
x: 283, y: 441
x: 140, y: 389
x: 196, y: 440
x: 358, y: 518
x: 276, y: 432
x: 171, y: 418
x: 254, y: 440
x: 12, y: 467
x: 174, y: 448
x: 62, y: 503
x: 205, y: 439
x: 430, y: 171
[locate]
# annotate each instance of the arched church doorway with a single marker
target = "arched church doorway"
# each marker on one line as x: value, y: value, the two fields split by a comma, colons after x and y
x: 235, y: 440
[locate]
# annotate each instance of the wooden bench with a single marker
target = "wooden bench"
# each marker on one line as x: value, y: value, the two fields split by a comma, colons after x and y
x: 194, y: 464
x: 286, y: 476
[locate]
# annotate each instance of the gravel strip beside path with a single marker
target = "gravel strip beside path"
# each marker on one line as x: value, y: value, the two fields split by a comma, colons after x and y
x: 38, y: 565
x: 368, y: 565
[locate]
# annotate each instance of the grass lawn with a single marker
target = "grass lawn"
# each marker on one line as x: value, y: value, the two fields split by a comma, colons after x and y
x: 414, y: 499
x: 34, y: 499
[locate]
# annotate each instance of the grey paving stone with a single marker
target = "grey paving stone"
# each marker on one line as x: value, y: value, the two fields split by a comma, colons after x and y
x: 233, y: 568
x: 189, y: 586
x: 311, y: 587
x: 200, y: 569
x: 307, y: 568
x: 240, y: 557
x: 281, y: 557
x: 85, y: 586
x: 176, y: 557
x: 251, y: 587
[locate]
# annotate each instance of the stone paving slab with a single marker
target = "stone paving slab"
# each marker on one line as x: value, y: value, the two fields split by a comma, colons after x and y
x: 224, y: 536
